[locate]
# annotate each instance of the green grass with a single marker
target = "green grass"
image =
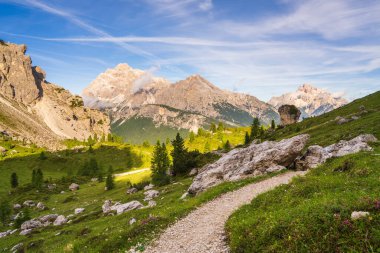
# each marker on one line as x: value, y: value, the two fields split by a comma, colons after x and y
x: 66, y: 163
x: 312, y: 214
x: 91, y: 231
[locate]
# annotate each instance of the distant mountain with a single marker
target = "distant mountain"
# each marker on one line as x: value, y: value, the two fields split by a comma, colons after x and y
x: 34, y: 110
x: 132, y: 95
x: 310, y: 100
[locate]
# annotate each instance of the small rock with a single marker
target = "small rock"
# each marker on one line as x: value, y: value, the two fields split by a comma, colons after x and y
x: 341, y: 120
x: 48, y: 218
x: 18, y: 247
x: 30, y: 224
x: 62, y: 192
x: 193, y: 172
x: 148, y: 187
x: 184, y: 195
x: 132, y: 190
x: 26, y: 232
x: 94, y: 179
x: 355, y: 117
x: 52, y: 186
x: 4, y: 234
x: 358, y: 215
x: 151, y: 194
x: 16, y: 206
x: 60, y: 220
x: 29, y: 203
x: 74, y: 187
x: 41, y: 206
x: 152, y: 203
x: 79, y: 210
x: 132, y: 221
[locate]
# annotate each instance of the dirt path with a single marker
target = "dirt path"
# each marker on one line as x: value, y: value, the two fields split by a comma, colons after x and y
x: 131, y: 172
x: 203, y: 229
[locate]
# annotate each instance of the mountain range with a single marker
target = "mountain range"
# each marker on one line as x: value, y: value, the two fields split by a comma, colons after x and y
x: 33, y: 110
x: 140, y: 104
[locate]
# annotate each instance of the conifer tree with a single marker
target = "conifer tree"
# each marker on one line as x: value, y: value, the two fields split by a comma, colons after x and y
x: 110, y: 184
x: 255, y: 128
x: 179, y: 153
x: 191, y: 136
x: 220, y: 127
x: 207, y: 147
x: 247, y: 138
x: 14, y: 180
x: 227, y: 146
x: 273, y: 125
x: 160, y: 164
x: 34, y: 178
x: 39, y: 178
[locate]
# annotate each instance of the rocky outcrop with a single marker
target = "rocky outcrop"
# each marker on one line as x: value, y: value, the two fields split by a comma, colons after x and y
x: 289, y: 114
x: 316, y: 155
x: 310, y: 100
x: 255, y: 160
x: 34, y: 110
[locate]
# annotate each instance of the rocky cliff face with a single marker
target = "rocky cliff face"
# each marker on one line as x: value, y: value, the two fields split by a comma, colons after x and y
x: 34, y: 110
x: 310, y: 100
x: 189, y: 104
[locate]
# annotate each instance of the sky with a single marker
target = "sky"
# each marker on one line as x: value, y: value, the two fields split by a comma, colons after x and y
x: 261, y: 47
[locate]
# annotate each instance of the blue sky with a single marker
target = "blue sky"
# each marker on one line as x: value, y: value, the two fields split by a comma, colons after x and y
x: 260, y: 47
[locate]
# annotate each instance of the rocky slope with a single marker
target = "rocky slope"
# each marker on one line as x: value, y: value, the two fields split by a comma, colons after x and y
x: 310, y: 100
x: 188, y: 104
x: 34, y: 110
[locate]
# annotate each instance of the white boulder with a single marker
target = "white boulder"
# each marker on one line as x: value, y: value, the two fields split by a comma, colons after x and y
x: 74, y: 187
x: 148, y: 187
x: 254, y: 160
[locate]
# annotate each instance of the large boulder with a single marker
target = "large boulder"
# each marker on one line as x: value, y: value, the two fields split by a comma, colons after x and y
x: 316, y: 155
x: 257, y: 159
x: 48, y: 218
x: 289, y: 114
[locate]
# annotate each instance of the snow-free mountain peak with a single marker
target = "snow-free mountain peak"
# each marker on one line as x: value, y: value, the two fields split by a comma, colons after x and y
x: 312, y: 101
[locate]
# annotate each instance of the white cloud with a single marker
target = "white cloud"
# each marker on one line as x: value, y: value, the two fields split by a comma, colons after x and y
x: 206, y: 5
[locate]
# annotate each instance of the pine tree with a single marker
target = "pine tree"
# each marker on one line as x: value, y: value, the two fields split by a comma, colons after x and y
x: 43, y: 156
x: 109, y: 138
x: 14, y: 180
x: 160, y: 164
x: 39, y: 178
x: 227, y: 146
x: 103, y: 139
x: 255, y: 128
x: 110, y: 184
x: 96, y: 139
x: 90, y: 149
x: 261, y: 131
x: 179, y: 155
x: 273, y: 125
x: 247, y: 138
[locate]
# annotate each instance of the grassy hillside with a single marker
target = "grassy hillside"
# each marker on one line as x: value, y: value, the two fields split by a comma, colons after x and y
x: 66, y: 163
x: 139, y: 130
x: 313, y: 213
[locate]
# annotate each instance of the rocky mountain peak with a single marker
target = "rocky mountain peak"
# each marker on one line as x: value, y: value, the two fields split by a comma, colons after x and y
x: 16, y: 74
x: 312, y: 101
x: 35, y: 110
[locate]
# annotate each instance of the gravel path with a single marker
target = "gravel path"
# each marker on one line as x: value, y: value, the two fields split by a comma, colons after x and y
x: 203, y: 229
